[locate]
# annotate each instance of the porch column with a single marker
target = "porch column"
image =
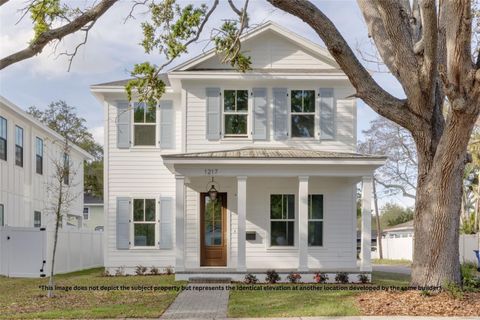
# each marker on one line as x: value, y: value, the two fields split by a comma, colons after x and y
x: 303, y: 223
x: 179, y: 222
x: 366, y: 244
x: 241, y: 228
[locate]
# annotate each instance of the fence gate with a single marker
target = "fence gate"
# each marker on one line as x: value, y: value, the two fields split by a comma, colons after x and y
x: 22, y: 251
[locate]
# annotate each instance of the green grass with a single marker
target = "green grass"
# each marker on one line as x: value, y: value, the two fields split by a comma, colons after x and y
x: 299, y: 303
x: 22, y: 298
x: 399, y: 262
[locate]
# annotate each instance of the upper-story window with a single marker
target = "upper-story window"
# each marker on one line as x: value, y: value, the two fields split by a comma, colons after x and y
x: 302, y: 113
x: 144, y: 126
x: 66, y: 168
x: 37, y: 219
x: 18, y: 146
x: 235, y: 113
x: 3, y: 138
x: 86, y: 213
x: 39, y: 155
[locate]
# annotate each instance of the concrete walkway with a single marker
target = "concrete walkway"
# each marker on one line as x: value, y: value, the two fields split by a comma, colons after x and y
x: 392, y: 268
x: 200, y: 301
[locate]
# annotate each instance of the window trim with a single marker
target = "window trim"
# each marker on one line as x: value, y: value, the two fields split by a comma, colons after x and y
x: 88, y: 213
x: 294, y: 220
x: 34, y: 214
x: 133, y: 124
x: 18, y: 146
x: 156, y: 222
x: 317, y: 220
x: 5, y: 139
x: 37, y: 139
x: 316, y: 114
x: 248, y: 113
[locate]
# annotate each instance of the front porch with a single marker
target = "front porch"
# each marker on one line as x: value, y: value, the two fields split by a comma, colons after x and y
x: 316, y: 233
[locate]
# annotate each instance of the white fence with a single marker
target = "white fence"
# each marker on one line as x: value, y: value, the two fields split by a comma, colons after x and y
x: 402, y: 248
x: 27, y: 252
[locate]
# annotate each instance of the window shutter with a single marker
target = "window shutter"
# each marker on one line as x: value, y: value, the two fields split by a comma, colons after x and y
x: 123, y: 223
x: 167, y: 125
x: 166, y: 223
x: 213, y: 113
x: 280, y: 112
x: 123, y: 125
x: 259, y: 113
x: 327, y: 114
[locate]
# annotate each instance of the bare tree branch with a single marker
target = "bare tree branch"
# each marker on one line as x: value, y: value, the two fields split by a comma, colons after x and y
x: 405, y: 193
x: 2, y: 2
x: 238, y: 12
x: 43, y: 39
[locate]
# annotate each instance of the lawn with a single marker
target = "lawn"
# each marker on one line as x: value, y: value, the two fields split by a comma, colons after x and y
x: 298, y: 303
x: 393, y: 262
x: 22, y: 298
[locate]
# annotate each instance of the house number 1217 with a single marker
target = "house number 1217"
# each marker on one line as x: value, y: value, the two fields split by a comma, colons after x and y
x: 211, y: 172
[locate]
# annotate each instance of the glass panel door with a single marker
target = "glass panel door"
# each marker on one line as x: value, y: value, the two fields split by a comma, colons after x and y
x: 213, y: 223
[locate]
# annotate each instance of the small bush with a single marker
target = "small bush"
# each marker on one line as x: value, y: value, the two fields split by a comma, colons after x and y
x: 469, y: 281
x: 425, y: 293
x: 363, y: 278
x: 272, y: 276
x: 154, y: 271
x: 120, y: 271
x: 320, y: 277
x: 250, y: 279
x: 453, y: 290
x: 294, y: 277
x: 341, y: 277
x: 140, y: 270
x: 169, y: 270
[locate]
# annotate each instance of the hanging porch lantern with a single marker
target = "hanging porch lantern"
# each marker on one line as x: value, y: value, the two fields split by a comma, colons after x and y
x: 212, y: 192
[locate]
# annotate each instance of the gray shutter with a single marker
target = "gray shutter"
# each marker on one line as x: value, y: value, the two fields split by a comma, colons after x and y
x: 166, y: 223
x: 259, y: 113
x: 167, y: 125
x: 327, y: 114
x: 123, y: 222
x: 123, y: 125
x: 213, y: 113
x: 280, y: 113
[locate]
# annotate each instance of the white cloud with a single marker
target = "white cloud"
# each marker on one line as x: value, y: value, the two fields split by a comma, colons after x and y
x: 98, y: 134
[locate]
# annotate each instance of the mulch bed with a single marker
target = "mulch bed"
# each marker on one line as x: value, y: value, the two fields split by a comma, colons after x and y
x: 413, y: 303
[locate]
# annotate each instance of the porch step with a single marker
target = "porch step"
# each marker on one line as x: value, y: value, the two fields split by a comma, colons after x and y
x: 209, y: 280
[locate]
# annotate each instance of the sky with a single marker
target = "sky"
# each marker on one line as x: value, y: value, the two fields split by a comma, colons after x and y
x: 113, y: 48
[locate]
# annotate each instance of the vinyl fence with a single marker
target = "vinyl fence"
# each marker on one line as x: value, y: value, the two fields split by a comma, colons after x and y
x: 27, y: 252
x: 402, y: 248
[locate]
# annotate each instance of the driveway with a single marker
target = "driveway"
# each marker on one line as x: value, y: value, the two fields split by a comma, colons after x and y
x: 392, y: 268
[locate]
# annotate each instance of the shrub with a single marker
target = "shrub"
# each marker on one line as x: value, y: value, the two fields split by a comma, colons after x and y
x: 272, y: 276
x: 453, y: 290
x: 154, y: 271
x: 120, y: 271
x: 294, y: 277
x: 425, y: 293
x: 140, y: 270
x: 169, y: 270
x: 341, y: 277
x: 250, y: 279
x: 469, y: 281
x: 363, y: 278
x: 320, y: 277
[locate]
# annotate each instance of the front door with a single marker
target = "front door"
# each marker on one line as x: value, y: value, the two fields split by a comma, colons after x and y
x: 213, y: 230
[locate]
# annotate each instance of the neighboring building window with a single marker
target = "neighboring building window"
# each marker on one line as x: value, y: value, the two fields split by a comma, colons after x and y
x: 3, y: 138
x: 315, y: 220
x: 39, y: 155
x: 302, y: 112
x: 2, y: 215
x: 145, y: 125
x: 282, y: 219
x: 66, y: 168
x: 235, y: 112
x: 86, y: 213
x: 37, y: 219
x: 18, y: 146
x: 144, y: 222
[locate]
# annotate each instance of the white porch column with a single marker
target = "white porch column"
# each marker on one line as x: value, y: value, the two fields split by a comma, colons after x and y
x: 366, y: 244
x: 179, y: 222
x: 303, y: 223
x: 241, y: 228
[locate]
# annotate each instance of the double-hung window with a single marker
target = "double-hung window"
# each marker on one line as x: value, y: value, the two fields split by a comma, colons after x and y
x: 144, y: 222
x: 282, y: 219
x: 66, y: 168
x: 2, y: 215
x: 315, y: 220
x: 86, y: 213
x: 18, y: 146
x: 144, y: 124
x: 37, y: 219
x: 39, y: 155
x: 3, y: 138
x: 302, y: 113
x: 235, y: 113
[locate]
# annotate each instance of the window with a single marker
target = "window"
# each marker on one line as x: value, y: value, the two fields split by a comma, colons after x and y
x: 282, y: 219
x: 18, y: 146
x: 315, y: 220
x: 66, y: 168
x: 2, y: 215
x: 37, y: 219
x: 235, y: 112
x: 86, y: 213
x: 302, y: 112
x: 144, y: 222
x: 144, y: 126
x: 3, y: 138
x: 39, y: 155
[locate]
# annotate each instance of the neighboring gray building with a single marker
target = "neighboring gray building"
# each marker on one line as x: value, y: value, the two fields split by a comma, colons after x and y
x: 93, y: 215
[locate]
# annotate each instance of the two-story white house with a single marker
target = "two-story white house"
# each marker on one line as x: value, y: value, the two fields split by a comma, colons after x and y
x: 238, y: 172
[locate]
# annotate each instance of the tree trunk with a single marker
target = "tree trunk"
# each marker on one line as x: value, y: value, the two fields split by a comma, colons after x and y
x: 51, y: 281
x: 377, y: 218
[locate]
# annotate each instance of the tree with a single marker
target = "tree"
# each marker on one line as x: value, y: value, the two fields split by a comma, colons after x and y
x: 62, y: 118
x: 426, y: 45
x: 393, y: 214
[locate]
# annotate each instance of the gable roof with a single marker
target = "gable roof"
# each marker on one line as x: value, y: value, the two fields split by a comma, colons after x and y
x: 123, y: 83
